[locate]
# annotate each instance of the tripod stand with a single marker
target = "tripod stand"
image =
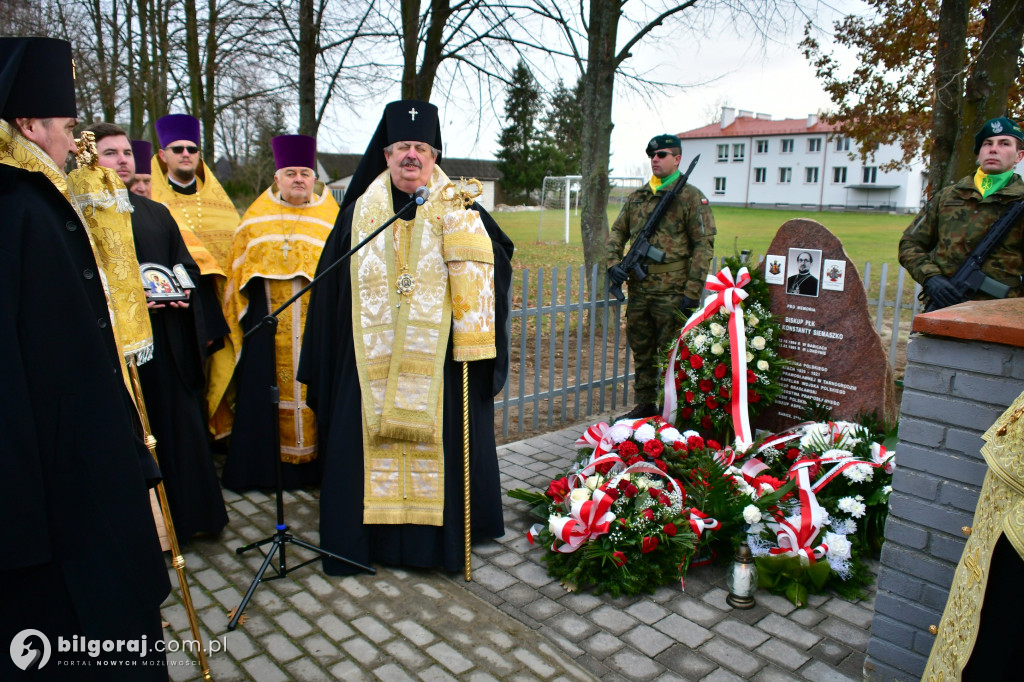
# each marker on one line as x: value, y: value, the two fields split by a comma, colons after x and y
x: 281, y: 537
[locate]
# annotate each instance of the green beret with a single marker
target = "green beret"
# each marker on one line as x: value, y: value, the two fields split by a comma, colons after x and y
x: 663, y: 142
x: 995, y: 127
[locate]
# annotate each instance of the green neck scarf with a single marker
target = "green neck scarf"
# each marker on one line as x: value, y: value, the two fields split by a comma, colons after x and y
x: 990, y: 184
x: 657, y: 184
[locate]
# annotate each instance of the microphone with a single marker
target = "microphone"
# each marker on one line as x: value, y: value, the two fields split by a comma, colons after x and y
x: 421, y: 195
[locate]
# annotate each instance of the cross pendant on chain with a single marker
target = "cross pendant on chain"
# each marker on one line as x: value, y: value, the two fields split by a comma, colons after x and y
x: 285, y: 248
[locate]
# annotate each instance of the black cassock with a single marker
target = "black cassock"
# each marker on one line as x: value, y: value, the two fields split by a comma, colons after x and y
x: 172, y: 382
x: 328, y: 368
x: 81, y: 554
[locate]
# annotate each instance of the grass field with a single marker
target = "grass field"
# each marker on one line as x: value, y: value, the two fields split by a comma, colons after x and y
x: 867, y: 237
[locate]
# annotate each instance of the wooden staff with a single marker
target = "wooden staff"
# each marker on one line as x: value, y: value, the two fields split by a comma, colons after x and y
x: 465, y: 466
x: 178, y: 561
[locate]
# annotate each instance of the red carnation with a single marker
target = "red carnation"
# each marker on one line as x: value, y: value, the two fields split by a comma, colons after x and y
x: 792, y: 453
x: 711, y: 402
x: 724, y: 392
x: 679, y: 381
x: 628, y: 449
x: 684, y: 353
x: 636, y: 459
x: 631, y: 491
x: 610, y: 492
x: 604, y: 467
x: 751, y: 377
x: 622, y: 484
x: 705, y: 385
x: 648, y: 514
x: 660, y: 463
x: 713, y: 445
x: 619, y: 558
x: 696, y: 361
x: 695, y: 443
x: 649, y: 545
x: 753, y: 397
x: 679, y: 446
x: 720, y: 371
x: 654, y: 447
x: 689, y: 396
x: 558, y: 490
x: 686, y: 412
x: 706, y: 423
x: 669, y: 529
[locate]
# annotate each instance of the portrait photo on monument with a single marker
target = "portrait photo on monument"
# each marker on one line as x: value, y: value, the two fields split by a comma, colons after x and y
x: 805, y: 266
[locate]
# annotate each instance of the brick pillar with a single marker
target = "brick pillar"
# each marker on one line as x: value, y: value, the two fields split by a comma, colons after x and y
x: 965, y: 366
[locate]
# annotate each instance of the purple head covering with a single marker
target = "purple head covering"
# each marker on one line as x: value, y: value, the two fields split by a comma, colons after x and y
x: 294, y: 151
x: 174, y: 127
x: 143, y: 153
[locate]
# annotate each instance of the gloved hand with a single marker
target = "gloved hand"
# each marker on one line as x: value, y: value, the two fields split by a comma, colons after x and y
x: 942, y: 292
x: 688, y: 305
x: 617, y: 275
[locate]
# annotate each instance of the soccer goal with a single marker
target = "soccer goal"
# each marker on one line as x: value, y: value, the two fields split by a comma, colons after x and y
x: 560, y: 203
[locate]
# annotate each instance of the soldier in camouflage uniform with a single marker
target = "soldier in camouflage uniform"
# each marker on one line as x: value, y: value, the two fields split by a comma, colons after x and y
x: 955, y: 220
x: 686, y: 234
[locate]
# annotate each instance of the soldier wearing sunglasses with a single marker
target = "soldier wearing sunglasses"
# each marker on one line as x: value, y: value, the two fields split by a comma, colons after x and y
x: 686, y: 234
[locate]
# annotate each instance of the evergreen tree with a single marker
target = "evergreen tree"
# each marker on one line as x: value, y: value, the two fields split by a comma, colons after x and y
x: 561, y: 148
x: 519, y: 140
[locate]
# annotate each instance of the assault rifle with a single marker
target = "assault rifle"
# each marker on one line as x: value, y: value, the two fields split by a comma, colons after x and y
x: 969, y: 278
x: 641, y: 247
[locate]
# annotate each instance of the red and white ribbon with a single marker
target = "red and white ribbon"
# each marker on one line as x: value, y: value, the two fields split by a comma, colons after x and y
x: 795, y: 537
x: 700, y: 522
x: 727, y: 293
x: 587, y: 519
x: 596, y: 437
x: 881, y: 457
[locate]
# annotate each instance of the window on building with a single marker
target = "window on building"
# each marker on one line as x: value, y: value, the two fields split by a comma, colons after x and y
x: 760, y: 175
x: 811, y: 174
x: 723, y: 152
x: 762, y: 146
x: 814, y: 144
x: 787, y: 146
x: 719, y: 185
x: 839, y: 174
x: 786, y: 174
x: 739, y: 151
x: 870, y: 175
x: 842, y: 144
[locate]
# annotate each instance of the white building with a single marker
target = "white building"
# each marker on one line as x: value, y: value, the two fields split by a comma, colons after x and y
x: 750, y: 160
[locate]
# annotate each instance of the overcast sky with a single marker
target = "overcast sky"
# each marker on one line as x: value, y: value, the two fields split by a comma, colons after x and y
x: 720, y: 68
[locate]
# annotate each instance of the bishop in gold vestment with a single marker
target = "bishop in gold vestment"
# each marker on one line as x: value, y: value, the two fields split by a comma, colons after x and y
x: 273, y: 255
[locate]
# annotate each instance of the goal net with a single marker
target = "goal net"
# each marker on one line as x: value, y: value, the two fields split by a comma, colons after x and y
x: 560, y: 204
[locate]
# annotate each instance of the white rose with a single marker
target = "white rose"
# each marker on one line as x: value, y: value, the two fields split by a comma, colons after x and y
x: 758, y: 342
x: 593, y: 482
x: 751, y: 514
x: 700, y: 340
x: 750, y: 357
x: 644, y: 433
x: 762, y: 365
x: 838, y: 545
x: 642, y: 482
x: 579, y: 495
x: 752, y: 320
x: 552, y: 521
x: 717, y: 349
x: 717, y: 329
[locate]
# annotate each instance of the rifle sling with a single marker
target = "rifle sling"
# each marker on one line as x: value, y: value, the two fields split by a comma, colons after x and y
x: 657, y: 268
x: 976, y: 252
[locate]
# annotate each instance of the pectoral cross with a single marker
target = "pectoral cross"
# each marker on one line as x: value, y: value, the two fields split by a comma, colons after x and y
x: 285, y: 248
x: 412, y: 113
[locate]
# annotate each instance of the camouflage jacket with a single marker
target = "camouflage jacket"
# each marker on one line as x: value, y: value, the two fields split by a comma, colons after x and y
x: 686, y: 233
x: 949, y: 227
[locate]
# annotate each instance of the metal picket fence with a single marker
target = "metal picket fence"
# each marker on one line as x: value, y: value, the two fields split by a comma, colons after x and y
x: 569, y: 357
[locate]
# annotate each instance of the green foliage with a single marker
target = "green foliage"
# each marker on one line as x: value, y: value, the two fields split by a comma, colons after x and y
x: 520, y: 139
x: 786, y: 575
x: 560, y: 148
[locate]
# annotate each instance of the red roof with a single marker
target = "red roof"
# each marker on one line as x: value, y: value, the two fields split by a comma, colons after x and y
x: 748, y: 126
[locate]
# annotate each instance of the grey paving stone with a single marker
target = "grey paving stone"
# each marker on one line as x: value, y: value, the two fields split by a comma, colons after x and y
x: 782, y: 654
x: 500, y: 639
x: 306, y: 603
x: 778, y: 626
x: 682, y: 630
x: 580, y: 602
x: 319, y: 586
x: 373, y: 629
x: 722, y: 675
x: 321, y: 648
x: 414, y: 632
x: 389, y: 672
x: 293, y: 624
x: 305, y: 669
x: 493, y: 578
x: 732, y: 657
x: 354, y: 587
x: 852, y: 613
x: 436, y: 673
x: 841, y: 631
x: 332, y: 626
x: 449, y: 657
x: 531, y: 574
x: 280, y: 648
x: 361, y: 650
x: 716, y: 597
x: 347, y: 670
x: 686, y: 662
x: 543, y: 608
x: 772, y: 674
x: 695, y: 610
x: 238, y: 645
x: 807, y: 616
x: 534, y: 662
x: 831, y: 652
x: 634, y: 666
x: 265, y: 670
x: 611, y: 619
x: 520, y: 594
x: 572, y: 626
x: 493, y: 661
x: 647, y: 612
x: 777, y: 603
x: 819, y: 672
x: 602, y: 644
x: 741, y: 633
x: 647, y: 640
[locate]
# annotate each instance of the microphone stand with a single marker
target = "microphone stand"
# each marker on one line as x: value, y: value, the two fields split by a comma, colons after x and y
x: 281, y: 536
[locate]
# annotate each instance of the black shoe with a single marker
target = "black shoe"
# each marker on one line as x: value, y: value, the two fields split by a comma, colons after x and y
x: 640, y: 411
